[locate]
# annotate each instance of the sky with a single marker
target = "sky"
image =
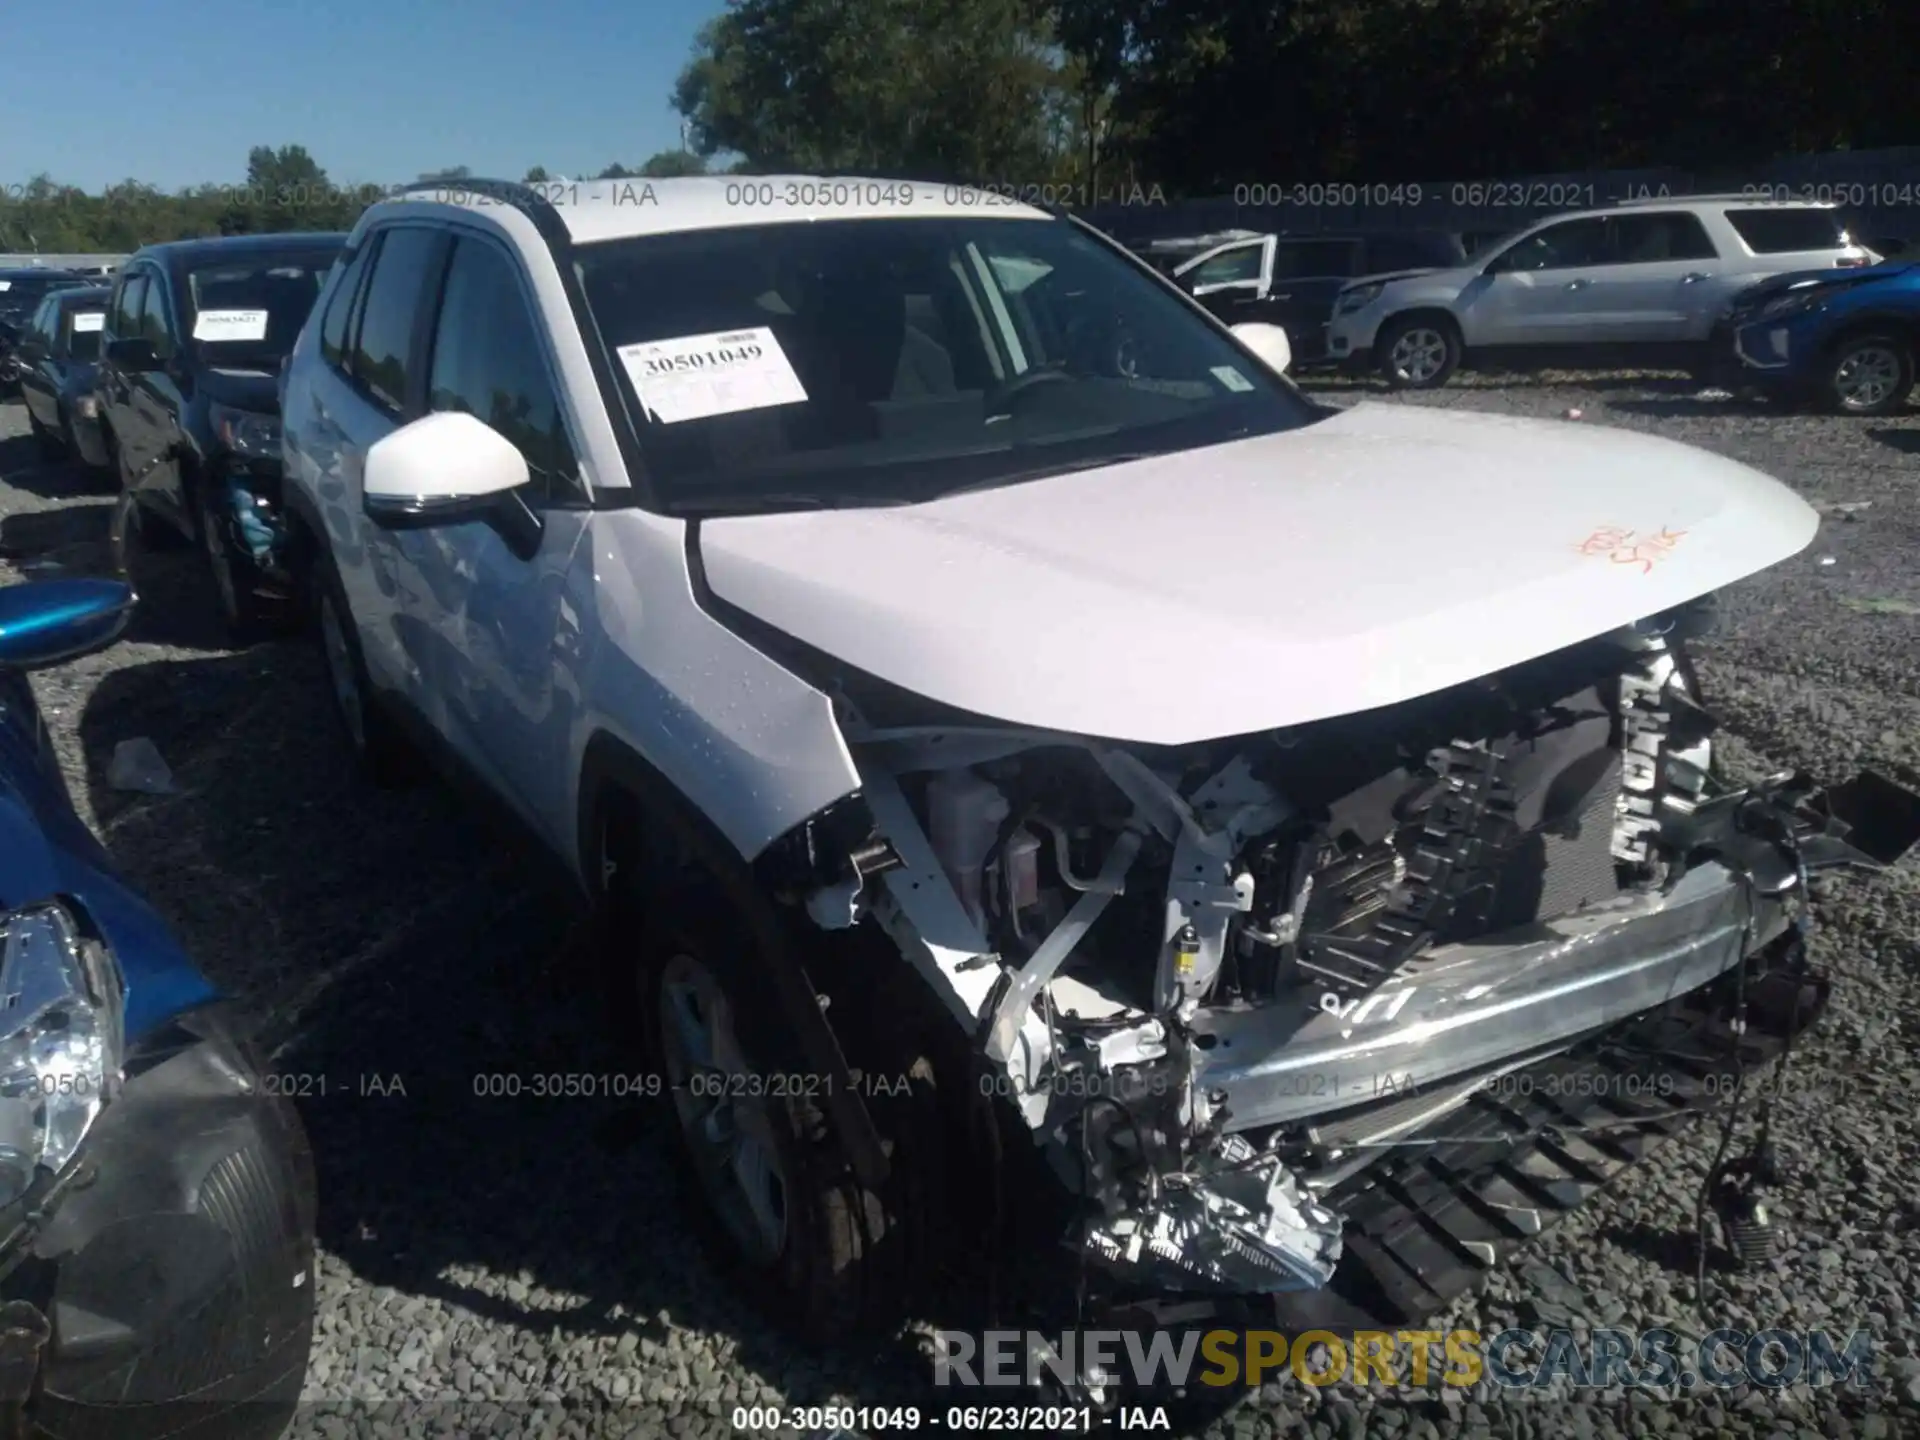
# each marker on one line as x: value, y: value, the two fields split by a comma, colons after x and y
x: 379, y: 91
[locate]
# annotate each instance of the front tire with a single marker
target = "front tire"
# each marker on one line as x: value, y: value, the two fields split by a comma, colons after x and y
x: 1417, y: 352
x: 1869, y: 374
x: 51, y: 446
x: 380, y: 753
x: 776, y: 1198
x: 245, y: 617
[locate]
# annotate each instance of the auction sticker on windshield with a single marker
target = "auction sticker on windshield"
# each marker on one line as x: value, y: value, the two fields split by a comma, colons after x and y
x: 694, y: 377
x: 86, y: 320
x: 230, y: 325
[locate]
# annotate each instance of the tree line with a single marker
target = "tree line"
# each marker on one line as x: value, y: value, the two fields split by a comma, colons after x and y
x: 1093, y: 98
x: 285, y: 189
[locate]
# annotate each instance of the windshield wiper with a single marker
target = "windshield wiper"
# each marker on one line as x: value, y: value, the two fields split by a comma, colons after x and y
x: 778, y: 502
x: 1045, y: 472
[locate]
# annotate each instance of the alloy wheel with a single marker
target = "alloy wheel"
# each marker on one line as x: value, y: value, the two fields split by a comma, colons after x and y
x: 1866, y: 377
x: 722, y: 1108
x: 1418, y: 354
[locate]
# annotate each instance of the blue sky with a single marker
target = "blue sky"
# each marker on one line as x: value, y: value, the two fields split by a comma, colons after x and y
x: 377, y: 90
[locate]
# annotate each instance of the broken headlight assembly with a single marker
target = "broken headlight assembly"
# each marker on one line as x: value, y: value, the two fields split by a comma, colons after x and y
x: 60, y: 1041
x: 247, y: 433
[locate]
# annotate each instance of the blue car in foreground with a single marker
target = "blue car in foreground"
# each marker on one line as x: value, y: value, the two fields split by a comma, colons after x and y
x: 156, y: 1196
x: 1842, y: 339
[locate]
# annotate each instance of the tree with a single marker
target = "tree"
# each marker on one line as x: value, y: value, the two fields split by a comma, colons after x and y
x: 615, y: 172
x: 669, y: 163
x: 452, y: 172
x: 934, y: 89
x: 537, y: 176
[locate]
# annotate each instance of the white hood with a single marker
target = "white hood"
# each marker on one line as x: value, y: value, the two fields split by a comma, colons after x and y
x: 1379, y: 555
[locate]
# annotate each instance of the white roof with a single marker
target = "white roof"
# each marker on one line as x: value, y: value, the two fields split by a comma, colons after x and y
x: 616, y: 209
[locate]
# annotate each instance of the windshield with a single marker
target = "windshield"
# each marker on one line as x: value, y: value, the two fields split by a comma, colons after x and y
x: 873, y: 361
x: 83, y: 333
x: 246, y: 312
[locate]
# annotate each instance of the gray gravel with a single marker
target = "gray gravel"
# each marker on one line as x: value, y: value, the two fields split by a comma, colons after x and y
x: 521, y: 1266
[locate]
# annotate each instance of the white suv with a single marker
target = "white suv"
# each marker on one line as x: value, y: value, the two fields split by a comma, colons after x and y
x: 1636, y: 283
x: 982, y: 700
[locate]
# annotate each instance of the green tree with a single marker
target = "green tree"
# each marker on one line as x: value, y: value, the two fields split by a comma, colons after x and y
x: 536, y: 176
x: 936, y: 89
x: 616, y: 172
x: 669, y: 163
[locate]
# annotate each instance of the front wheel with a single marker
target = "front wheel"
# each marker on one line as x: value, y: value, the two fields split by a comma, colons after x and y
x: 380, y: 753
x: 246, y: 617
x: 774, y: 1192
x: 1418, y: 352
x: 49, y: 441
x: 1868, y: 375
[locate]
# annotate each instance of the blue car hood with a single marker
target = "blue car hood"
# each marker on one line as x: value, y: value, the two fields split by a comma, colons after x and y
x: 47, y: 851
x: 1829, y: 278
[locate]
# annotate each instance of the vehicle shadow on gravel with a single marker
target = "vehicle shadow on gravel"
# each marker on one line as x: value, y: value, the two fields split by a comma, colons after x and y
x: 1907, y: 442
x: 413, y: 983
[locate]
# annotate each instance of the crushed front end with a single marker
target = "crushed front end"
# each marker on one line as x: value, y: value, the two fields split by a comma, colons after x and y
x: 1223, y: 982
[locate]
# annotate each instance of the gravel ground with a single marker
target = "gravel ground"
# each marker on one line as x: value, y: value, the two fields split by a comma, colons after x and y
x: 503, y: 1266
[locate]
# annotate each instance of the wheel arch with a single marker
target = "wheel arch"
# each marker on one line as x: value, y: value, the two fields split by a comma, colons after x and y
x: 662, y: 832
x: 1437, y: 314
x: 1880, y: 322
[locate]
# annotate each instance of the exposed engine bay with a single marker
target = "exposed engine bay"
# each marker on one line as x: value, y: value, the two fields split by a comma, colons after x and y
x: 1191, y: 964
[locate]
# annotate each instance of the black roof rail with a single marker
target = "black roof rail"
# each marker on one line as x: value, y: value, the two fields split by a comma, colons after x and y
x: 523, y: 197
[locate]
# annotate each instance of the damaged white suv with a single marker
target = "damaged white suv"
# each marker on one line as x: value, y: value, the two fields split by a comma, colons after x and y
x: 1039, y: 776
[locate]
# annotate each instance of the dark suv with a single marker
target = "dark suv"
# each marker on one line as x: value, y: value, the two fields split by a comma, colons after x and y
x: 188, y: 391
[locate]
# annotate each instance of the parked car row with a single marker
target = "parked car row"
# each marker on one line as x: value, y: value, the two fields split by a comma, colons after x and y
x: 797, y: 581
x: 21, y: 291
x: 1664, y: 283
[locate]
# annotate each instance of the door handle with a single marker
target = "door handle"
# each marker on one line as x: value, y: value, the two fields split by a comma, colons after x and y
x: 1578, y: 284
x: 1694, y: 279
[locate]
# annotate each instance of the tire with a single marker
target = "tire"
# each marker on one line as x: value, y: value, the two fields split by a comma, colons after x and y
x: 774, y: 1197
x: 135, y: 522
x: 52, y: 447
x: 1417, y: 352
x: 244, y: 615
x: 1870, y: 373
x: 379, y: 751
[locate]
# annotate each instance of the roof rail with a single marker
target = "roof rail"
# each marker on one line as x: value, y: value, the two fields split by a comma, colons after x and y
x: 1759, y: 195
x: 523, y: 197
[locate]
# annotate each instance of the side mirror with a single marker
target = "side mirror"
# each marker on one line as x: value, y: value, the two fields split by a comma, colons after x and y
x: 44, y: 622
x: 1269, y: 342
x: 439, y: 469
x: 133, y: 354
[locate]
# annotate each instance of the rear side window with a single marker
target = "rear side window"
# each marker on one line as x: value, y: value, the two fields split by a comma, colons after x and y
x: 1663, y: 235
x: 489, y: 362
x: 333, y: 325
x: 1781, y: 232
x: 407, y: 266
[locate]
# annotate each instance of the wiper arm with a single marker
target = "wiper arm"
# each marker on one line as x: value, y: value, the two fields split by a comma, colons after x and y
x: 774, y: 502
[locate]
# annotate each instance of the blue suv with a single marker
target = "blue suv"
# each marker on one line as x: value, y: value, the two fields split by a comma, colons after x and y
x: 1844, y: 339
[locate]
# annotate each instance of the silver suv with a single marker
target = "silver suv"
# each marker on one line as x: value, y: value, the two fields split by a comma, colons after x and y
x: 1638, y: 283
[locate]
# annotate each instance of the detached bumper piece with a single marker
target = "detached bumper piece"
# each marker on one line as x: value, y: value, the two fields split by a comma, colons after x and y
x: 176, y: 1276
x: 1457, y: 1196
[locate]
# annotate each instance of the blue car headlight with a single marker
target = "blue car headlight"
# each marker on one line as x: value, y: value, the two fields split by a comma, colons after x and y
x: 61, y: 1046
x: 247, y: 433
x: 1794, y: 302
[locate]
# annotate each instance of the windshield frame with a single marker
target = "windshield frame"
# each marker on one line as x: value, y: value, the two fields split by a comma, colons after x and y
x: 651, y: 490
